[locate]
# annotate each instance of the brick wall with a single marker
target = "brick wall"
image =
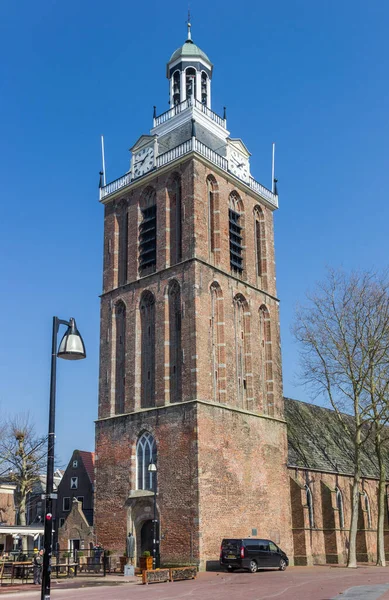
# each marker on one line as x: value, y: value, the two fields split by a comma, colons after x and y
x: 327, y: 542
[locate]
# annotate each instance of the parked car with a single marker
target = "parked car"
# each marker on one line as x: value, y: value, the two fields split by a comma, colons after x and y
x: 252, y: 554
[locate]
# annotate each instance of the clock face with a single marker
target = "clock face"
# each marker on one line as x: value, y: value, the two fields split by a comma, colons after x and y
x: 239, y: 165
x: 143, y: 161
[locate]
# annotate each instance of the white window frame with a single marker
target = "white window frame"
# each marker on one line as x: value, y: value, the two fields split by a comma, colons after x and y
x: 74, y: 483
x: 75, y: 464
x: 146, y: 441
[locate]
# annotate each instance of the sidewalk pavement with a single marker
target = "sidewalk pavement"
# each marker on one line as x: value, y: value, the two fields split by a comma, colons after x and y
x: 71, y: 583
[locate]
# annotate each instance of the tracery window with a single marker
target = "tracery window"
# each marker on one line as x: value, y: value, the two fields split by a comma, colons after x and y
x: 366, y: 507
x: 309, y: 498
x: 339, y: 504
x: 146, y: 453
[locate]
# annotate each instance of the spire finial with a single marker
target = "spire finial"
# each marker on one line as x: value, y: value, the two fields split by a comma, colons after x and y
x: 189, y: 24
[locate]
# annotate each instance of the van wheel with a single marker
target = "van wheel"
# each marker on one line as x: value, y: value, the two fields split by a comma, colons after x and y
x: 253, y: 567
x: 282, y: 566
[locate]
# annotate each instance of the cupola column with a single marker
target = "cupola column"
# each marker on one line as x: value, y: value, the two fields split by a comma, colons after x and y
x: 183, y: 86
x: 198, y: 85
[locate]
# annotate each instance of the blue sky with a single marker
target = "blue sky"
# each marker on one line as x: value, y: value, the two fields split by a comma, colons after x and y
x: 311, y: 76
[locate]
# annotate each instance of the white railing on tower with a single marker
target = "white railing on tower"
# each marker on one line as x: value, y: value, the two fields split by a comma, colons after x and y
x: 191, y: 145
x: 179, y: 108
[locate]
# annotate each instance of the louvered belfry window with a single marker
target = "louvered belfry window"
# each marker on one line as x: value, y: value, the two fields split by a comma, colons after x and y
x: 236, y: 253
x: 148, y: 240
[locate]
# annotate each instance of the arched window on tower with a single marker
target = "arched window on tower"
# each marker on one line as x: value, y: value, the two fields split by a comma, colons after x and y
x: 120, y: 357
x: 260, y: 246
x: 176, y: 88
x: 309, y: 498
x: 204, y: 88
x: 236, y: 225
x: 190, y: 75
x: 123, y: 246
x: 217, y: 342
x: 147, y: 315
x: 148, y: 233
x: 146, y: 453
x: 266, y: 361
x: 175, y: 206
x: 175, y: 345
x: 241, y: 318
x: 339, y: 505
x: 213, y: 220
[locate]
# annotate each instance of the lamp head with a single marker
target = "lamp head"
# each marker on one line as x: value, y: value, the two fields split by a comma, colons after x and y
x: 152, y: 468
x: 72, y: 345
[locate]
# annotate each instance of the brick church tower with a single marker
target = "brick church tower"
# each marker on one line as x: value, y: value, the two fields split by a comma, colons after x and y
x: 190, y: 366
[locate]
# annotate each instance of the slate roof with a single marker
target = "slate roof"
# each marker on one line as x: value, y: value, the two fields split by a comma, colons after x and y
x: 88, y: 458
x: 316, y: 440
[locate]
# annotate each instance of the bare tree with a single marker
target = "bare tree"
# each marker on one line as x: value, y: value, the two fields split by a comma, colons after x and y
x: 343, y: 335
x: 23, y: 457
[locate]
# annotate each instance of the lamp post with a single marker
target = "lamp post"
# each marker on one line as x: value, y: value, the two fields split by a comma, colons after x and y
x: 152, y: 468
x: 71, y: 348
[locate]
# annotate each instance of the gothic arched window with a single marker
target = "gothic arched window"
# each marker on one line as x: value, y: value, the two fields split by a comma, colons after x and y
x: 266, y: 361
x: 339, y: 505
x: 309, y: 498
x: 242, y: 330
x: 213, y: 220
x: 147, y: 317
x: 148, y: 233
x: 175, y: 350
x: 366, y: 508
x: 260, y: 246
x: 236, y: 229
x: 123, y: 246
x: 146, y: 453
x: 175, y: 208
x: 217, y: 341
x: 120, y: 357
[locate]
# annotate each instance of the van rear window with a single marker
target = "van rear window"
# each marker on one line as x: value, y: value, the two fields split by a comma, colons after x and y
x: 231, y: 544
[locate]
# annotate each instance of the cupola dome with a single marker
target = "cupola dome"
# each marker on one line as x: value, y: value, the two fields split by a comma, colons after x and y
x: 189, y: 50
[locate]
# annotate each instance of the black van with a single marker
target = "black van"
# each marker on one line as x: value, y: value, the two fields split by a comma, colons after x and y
x: 252, y: 554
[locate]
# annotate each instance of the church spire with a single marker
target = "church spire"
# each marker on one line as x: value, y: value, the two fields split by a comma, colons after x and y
x: 189, y: 38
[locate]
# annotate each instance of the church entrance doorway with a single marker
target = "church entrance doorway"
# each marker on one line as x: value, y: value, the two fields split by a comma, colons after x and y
x: 146, y: 538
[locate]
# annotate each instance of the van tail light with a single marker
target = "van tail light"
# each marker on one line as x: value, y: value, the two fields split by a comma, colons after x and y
x: 242, y: 552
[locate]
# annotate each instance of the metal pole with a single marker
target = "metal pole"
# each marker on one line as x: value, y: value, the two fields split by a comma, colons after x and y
x: 155, y: 523
x: 48, y: 532
x: 272, y: 167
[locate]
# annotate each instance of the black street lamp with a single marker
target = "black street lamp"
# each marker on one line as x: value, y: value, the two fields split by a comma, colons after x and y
x: 152, y: 468
x: 71, y: 348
